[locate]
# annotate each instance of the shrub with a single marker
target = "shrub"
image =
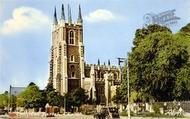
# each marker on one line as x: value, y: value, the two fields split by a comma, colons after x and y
x: 87, y: 109
x: 156, y: 108
x: 125, y: 113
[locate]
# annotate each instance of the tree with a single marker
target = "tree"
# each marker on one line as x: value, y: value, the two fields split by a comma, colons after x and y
x: 30, y: 97
x: 185, y: 29
x: 182, y: 89
x: 4, y: 100
x: 158, y: 66
x: 120, y: 97
x: 7, y: 100
x: 79, y: 97
x: 53, y: 98
x: 76, y: 98
x: 183, y: 37
x: 154, y: 64
x: 144, y: 32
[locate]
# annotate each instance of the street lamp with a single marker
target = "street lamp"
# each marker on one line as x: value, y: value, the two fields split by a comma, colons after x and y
x: 120, y: 60
x: 129, y: 113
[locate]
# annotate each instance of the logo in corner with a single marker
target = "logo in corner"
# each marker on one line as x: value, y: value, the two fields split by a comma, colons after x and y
x: 166, y: 18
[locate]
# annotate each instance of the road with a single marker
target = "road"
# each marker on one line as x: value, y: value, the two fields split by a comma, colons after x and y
x: 78, y: 116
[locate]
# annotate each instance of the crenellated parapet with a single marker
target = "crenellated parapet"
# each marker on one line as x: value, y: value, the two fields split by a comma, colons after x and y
x: 100, y: 70
x: 103, y: 67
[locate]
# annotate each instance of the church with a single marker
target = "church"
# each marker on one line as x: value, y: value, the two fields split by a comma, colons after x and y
x: 67, y: 68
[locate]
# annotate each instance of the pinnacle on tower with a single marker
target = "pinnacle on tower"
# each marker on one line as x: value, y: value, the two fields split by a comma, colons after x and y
x: 79, y: 16
x: 109, y: 62
x: 69, y: 15
x: 62, y: 13
x: 55, y: 22
x: 98, y: 62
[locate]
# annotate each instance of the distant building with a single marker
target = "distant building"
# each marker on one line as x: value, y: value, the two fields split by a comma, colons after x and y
x: 16, y: 90
x: 68, y: 69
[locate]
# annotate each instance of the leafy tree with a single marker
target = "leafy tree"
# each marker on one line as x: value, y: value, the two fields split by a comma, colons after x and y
x: 4, y: 100
x: 30, y: 97
x: 182, y: 89
x: 185, y: 29
x: 183, y: 38
x: 144, y: 32
x: 76, y: 98
x: 32, y: 84
x: 154, y: 64
x: 53, y: 97
x: 79, y: 97
x: 121, y: 93
x: 159, y: 67
x: 7, y: 100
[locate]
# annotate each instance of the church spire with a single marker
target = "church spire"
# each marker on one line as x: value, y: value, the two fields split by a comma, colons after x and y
x: 55, y: 17
x: 69, y: 15
x: 79, y: 16
x: 62, y: 13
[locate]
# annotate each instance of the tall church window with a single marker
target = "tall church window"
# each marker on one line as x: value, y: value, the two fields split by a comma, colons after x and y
x: 71, y: 37
x: 72, y: 58
x: 115, y: 76
x: 73, y: 74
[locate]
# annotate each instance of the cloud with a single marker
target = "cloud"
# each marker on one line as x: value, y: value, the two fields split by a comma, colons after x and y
x: 24, y: 18
x: 100, y: 15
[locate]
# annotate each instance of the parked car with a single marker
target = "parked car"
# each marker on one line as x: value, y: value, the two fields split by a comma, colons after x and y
x: 107, y: 113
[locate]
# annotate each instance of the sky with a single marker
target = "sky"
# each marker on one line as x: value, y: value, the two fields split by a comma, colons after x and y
x: 109, y: 28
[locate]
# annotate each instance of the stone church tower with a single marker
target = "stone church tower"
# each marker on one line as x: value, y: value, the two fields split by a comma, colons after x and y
x: 67, y: 68
x: 67, y: 53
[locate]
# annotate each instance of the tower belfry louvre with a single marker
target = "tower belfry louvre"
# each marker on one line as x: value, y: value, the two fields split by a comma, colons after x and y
x: 68, y: 70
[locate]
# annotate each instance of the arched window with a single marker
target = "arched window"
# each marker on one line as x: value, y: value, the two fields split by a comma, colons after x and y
x: 71, y: 37
x: 115, y: 76
x: 72, y: 67
x: 102, y: 75
x: 72, y: 58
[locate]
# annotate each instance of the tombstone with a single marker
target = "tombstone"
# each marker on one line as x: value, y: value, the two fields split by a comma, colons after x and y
x: 147, y: 107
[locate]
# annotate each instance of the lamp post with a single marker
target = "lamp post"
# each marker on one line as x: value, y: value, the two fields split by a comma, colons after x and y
x: 120, y: 60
